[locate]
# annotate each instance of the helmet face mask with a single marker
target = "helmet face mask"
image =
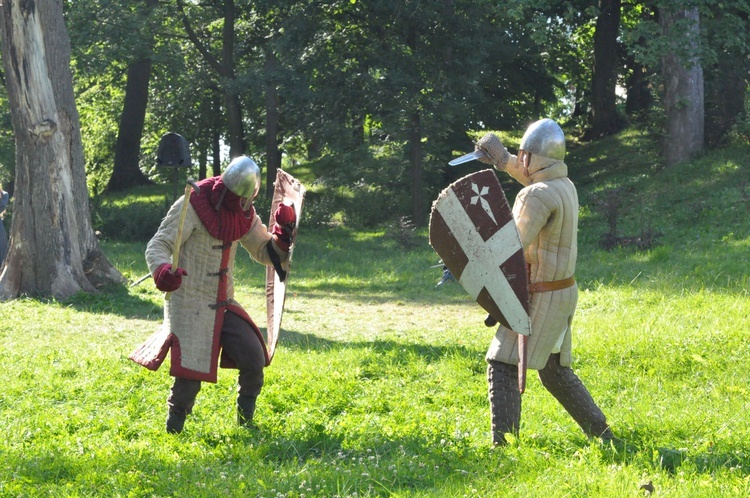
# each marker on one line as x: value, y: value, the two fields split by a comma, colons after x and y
x: 242, y: 177
x: 544, y: 138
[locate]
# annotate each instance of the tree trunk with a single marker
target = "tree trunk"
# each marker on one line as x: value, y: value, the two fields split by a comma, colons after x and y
x: 414, y: 141
x: 127, y: 172
x: 216, y: 152
x: 216, y: 127
x: 639, y: 94
x: 604, y: 118
x: 53, y: 248
x: 202, y: 163
x: 418, y: 212
x: 235, y: 129
x: 725, y: 97
x: 232, y: 103
x: 683, y: 93
x: 225, y: 68
x: 273, y: 158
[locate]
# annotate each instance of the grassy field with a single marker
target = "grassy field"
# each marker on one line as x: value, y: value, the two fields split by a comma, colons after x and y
x: 378, y: 387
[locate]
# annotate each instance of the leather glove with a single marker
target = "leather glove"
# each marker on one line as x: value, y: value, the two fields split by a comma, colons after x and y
x: 165, y: 280
x: 285, y: 219
x: 497, y: 154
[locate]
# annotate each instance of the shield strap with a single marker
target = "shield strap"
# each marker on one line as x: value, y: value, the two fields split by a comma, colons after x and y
x: 275, y: 261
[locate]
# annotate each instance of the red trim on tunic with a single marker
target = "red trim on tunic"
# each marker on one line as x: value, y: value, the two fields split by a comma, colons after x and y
x: 177, y: 370
x: 153, y: 351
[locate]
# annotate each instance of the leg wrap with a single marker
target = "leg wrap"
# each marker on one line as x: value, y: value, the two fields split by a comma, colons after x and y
x: 182, y: 397
x: 568, y: 389
x: 505, y: 400
x: 242, y: 345
x: 245, y: 410
x: 180, y: 403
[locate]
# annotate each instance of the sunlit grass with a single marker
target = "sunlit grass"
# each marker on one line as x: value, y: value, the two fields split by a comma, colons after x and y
x: 378, y: 385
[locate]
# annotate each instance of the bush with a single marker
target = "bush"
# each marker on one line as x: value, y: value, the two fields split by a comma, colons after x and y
x: 134, y: 221
x: 368, y: 207
x: 318, y: 210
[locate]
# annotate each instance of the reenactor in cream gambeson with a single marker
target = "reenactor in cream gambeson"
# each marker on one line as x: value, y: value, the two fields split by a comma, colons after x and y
x: 546, y: 214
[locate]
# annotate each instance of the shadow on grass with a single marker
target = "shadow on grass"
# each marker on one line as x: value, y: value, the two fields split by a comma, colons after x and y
x: 636, y: 447
x: 396, y: 352
x: 117, y: 300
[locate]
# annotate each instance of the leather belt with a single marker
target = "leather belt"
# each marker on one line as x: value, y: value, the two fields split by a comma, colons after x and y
x: 552, y: 286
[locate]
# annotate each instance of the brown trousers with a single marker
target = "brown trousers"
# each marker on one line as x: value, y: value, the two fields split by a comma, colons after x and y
x: 241, y: 345
x: 561, y: 382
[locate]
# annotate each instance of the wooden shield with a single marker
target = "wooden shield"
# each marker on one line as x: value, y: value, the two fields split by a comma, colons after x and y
x: 289, y: 191
x: 473, y: 231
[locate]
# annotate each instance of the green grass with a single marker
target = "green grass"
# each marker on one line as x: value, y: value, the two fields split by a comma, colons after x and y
x: 378, y: 386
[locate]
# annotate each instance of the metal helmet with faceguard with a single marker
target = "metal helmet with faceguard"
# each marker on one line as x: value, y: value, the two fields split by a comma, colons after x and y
x: 242, y: 177
x: 544, y: 138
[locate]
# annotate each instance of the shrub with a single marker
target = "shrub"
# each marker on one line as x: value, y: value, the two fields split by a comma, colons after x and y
x: 318, y: 210
x: 133, y: 221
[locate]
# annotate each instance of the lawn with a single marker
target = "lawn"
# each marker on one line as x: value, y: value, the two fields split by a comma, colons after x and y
x: 378, y: 385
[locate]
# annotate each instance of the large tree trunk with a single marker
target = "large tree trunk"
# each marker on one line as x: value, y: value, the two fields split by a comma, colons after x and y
x: 53, y: 248
x: 683, y: 92
x: 235, y: 128
x: 604, y: 118
x: 127, y: 172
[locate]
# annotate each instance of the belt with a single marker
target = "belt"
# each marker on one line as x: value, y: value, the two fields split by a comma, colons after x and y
x: 552, y: 286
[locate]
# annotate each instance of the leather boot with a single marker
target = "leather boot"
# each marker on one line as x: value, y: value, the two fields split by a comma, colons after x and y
x: 245, y: 410
x: 175, y: 422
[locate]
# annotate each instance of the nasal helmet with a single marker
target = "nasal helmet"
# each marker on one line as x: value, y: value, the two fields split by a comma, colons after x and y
x: 544, y: 138
x: 242, y: 177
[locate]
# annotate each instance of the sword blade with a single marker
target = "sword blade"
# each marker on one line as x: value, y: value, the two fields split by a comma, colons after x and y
x: 477, y: 154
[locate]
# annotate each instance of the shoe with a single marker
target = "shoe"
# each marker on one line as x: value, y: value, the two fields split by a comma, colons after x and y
x: 175, y: 423
x: 610, y: 440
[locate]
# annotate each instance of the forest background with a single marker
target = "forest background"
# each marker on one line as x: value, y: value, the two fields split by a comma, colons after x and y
x: 374, y: 97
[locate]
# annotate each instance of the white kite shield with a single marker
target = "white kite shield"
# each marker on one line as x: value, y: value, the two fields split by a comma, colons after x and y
x: 473, y: 231
x: 289, y: 191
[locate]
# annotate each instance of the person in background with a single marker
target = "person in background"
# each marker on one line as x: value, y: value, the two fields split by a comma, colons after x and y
x: 546, y: 214
x: 4, y: 198
x: 203, y: 325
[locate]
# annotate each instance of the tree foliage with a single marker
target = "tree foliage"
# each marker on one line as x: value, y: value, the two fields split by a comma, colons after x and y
x: 376, y: 96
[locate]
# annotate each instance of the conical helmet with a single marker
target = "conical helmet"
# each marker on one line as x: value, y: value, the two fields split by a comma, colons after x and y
x: 544, y: 138
x: 242, y: 177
